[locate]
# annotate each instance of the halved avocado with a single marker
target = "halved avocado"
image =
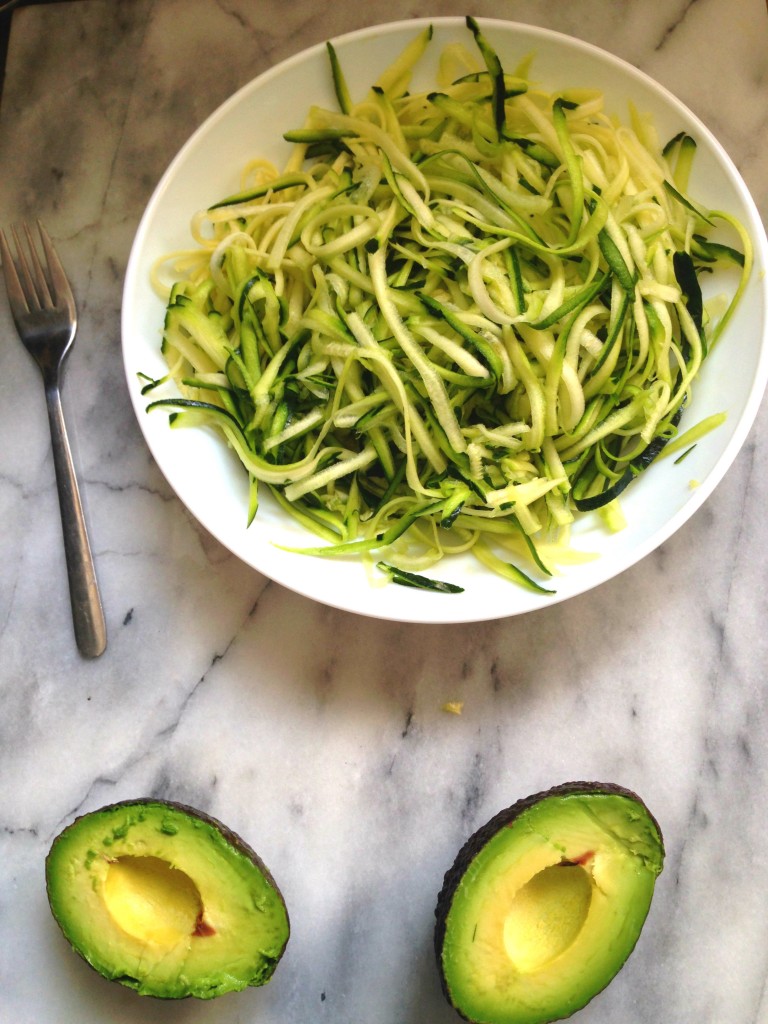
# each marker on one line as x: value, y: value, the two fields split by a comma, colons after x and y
x: 166, y: 900
x: 545, y: 902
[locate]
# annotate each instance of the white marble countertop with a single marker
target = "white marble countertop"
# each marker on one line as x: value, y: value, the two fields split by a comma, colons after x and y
x: 319, y: 735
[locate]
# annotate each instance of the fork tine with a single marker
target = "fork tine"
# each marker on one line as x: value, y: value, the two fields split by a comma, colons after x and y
x: 16, y: 296
x: 22, y: 268
x: 42, y: 289
x: 30, y: 285
x: 62, y: 291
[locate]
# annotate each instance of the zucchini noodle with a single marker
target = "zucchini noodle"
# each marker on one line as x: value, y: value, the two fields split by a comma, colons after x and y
x: 453, y: 321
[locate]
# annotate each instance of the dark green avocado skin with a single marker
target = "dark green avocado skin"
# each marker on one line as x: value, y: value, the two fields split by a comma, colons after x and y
x: 231, y: 838
x: 479, y: 838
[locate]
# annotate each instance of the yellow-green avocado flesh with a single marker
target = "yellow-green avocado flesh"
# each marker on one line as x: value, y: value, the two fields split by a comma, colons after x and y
x: 166, y: 900
x: 544, y: 903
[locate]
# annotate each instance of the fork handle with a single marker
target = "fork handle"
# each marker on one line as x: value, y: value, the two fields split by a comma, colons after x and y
x: 87, y: 612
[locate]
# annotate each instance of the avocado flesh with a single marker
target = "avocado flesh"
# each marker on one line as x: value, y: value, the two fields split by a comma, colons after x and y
x: 166, y: 900
x: 545, y: 903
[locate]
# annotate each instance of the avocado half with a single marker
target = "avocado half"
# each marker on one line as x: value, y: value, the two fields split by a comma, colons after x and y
x: 545, y: 902
x: 166, y: 900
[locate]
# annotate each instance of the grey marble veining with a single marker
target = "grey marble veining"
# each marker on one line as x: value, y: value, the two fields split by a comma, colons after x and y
x: 318, y: 735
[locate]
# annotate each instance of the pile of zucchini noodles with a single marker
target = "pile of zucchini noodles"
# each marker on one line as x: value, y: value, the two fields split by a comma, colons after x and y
x: 454, y: 320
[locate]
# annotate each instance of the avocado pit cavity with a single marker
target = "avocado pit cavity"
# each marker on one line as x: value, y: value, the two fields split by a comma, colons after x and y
x: 546, y: 915
x: 153, y: 901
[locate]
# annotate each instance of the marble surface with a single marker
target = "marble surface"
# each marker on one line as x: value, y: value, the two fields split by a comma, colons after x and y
x: 318, y: 735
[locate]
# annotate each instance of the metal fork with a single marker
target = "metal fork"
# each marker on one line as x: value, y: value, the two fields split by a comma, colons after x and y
x: 44, y: 312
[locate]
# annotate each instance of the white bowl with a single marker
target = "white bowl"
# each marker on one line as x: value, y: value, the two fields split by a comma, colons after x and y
x: 206, y: 476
